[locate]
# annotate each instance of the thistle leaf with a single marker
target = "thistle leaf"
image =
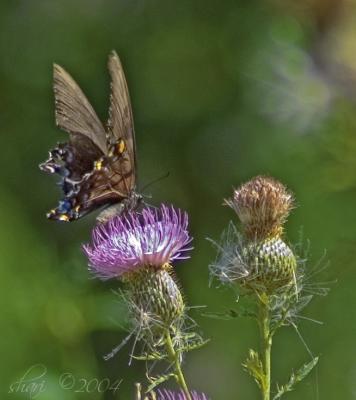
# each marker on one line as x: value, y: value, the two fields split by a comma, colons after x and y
x: 253, y: 365
x: 150, y: 357
x: 295, y: 378
x: 230, y: 314
x: 194, y: 346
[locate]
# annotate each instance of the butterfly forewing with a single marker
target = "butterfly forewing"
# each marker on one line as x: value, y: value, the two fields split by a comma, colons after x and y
x: 120, y: 123
x: 73, y: 112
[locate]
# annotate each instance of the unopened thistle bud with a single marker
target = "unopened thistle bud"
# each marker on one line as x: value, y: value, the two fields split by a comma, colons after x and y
x: 259, y: 258
x: 139, y: 249
x: 271, y: 264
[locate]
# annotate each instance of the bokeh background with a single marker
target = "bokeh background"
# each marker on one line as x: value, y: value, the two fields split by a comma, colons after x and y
x: 221, y: 91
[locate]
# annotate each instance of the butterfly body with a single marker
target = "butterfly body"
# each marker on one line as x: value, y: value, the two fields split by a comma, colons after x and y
x: 97, y: 166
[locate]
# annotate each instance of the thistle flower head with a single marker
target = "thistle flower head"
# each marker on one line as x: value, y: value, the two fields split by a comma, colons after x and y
x: 170, y: 395
x: 127, y: 243
x: 262, y: 205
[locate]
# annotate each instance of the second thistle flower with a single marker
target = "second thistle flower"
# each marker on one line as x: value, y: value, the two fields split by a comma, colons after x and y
x: 259, y: 258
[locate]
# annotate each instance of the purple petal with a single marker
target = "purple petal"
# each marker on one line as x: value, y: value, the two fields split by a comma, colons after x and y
x: 154, y: 237
x: 170, y: 395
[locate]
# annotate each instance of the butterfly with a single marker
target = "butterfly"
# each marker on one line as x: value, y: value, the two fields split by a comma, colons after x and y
x: 97, y: 165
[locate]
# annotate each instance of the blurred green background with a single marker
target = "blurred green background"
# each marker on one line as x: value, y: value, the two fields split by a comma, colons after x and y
x: 221, y: 91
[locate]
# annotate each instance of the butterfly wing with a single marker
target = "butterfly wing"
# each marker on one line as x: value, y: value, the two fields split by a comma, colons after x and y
x: 121, y: 126
x: 75, y: 159
x: 74, y: 113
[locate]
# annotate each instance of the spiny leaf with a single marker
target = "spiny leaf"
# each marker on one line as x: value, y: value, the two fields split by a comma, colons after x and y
x: 230, y: 314
x: 306, y: 369
x: 295, y: 378
x: 189, y: 335
x: 253, y: 366
x: 150, y: 357
x: 194, y: 346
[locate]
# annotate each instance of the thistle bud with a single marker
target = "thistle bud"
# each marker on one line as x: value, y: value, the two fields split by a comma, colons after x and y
x: 271, y: 264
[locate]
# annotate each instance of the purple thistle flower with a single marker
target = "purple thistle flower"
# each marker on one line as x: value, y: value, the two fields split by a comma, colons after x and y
x: 170, y: 395
x: 125, y: 243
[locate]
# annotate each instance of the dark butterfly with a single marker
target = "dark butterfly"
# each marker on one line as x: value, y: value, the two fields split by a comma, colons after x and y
x: 97, y: 165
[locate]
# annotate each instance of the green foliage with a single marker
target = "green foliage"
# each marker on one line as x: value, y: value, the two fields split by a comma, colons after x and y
x: 295, y: 378
x: 253, y: 366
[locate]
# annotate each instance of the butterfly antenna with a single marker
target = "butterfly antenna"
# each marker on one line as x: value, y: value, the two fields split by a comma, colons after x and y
x: 160, y: 178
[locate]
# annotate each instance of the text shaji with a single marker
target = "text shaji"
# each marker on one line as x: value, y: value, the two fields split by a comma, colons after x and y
x: 32, y: 382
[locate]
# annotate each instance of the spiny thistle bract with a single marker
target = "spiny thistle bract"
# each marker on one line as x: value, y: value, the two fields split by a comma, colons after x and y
x: 139, y: 250
x: 259, y: 259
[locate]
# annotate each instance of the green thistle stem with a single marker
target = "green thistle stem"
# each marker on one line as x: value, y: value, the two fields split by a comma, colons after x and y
x: 175, y: 359
x: 266, y: 345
